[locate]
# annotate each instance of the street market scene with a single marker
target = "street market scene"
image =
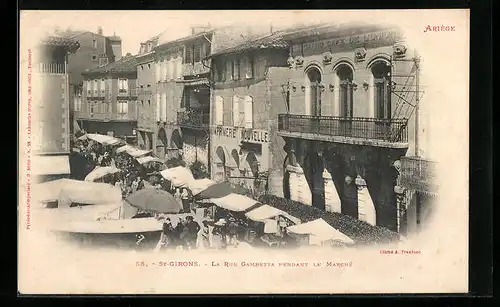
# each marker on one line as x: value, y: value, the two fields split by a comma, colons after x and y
x: 232, y: 137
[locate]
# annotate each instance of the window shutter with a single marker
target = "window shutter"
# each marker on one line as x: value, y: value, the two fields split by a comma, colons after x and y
x: 219, y: 109
x: 236, y: 112
x: 157, y: 72
x: 229, y: 69
x: 158, y: 103
x: 249, y: 68
x: 164, y: 107
x: 125, y: 107
x: 179, y: 68
x: 248, y: 112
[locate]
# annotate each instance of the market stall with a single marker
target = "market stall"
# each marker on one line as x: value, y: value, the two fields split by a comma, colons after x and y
x: 100, y: 173
x: 180, y: 177
x: 318, y: 232
x: 88, y: 193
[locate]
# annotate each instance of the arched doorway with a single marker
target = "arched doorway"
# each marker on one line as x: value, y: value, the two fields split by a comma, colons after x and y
x: 313, y: 94
x: 176, y: 140
x: 220, y: 163
x: 236, y: 157
x: 161, y: 143
x: 313, y: 171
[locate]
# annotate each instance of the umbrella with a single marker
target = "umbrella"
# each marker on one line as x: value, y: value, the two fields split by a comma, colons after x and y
x: 219, y: 190
x: 235, y: 202
x: 179, y: 176
x: 99, y: 172
x: 154, y: 200
x: 103, y: 139
x: 148, y: 159
x: 199, y: 185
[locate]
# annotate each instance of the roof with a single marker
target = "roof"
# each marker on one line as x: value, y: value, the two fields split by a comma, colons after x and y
x: 60, y: 41
x: 269, y: 41
x: 114, y: 38
x: 185, y: 38
x: 126, y: 64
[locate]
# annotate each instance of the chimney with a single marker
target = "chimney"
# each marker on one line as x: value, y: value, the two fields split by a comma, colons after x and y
x: 99, y: 30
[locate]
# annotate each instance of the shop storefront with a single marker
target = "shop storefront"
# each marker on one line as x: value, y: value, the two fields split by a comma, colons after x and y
x: 240, y: 155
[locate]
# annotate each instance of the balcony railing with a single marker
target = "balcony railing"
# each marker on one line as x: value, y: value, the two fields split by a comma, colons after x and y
x: 418, y: 174
x: 131, y: 92
x: 193, y: 119
x: 54, y: 68
x: 387, y: 130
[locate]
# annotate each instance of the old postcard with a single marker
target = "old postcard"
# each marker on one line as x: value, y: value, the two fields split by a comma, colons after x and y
x: 243, y: 152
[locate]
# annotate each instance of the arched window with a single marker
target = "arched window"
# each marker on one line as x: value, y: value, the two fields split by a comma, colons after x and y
x: 345, y: 74
x: 314, y: 79
x: 382, y: 89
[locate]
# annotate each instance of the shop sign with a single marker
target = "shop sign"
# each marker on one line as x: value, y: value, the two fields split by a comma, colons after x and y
x: 357, y: 40
x: 242, y: 134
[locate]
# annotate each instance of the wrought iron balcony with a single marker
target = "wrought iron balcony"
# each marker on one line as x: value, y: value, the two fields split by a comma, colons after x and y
x: 344, y: 129
x: 193, y: 119
x: 418, y: 174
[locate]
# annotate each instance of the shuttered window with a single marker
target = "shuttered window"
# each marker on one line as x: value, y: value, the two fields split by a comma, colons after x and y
x: 236, y: 111
x: 248, y: 112
x: 164, y: 107
x: 219, y: 110
x: 158, y: 104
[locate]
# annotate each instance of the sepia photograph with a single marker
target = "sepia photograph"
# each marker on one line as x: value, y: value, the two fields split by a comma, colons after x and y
x: 238, y: 152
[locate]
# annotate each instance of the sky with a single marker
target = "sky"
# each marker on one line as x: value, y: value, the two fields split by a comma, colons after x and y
x: 135, y: 27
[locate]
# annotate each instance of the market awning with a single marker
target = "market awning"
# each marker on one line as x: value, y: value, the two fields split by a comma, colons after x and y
x: 234, y: 202
x: 144, y: 160
x: 196, y: 186
x: 125, y: 148
x: 265, y: 212
x: 138, y: 153
x: 100, y: 172
x: 89, y: 193
x: 112, y: 226
x: 320, y: 231
x: 179, y: 176
x: 49, y: 191
x: 50, y: 165
x: 103, y: 139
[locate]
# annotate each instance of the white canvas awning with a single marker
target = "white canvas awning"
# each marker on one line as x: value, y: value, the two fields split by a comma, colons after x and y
x: 265, y: 212
x: 125, y: 148
x: 49, y: 191
x: 196, y: 186
x: 320, y: 231
x: 234, y: 202
x: 179, y: 176
x: 100, y: 172
x: 90, y: 193
x: 103, y: 139
x: 112, y: 226
x: 147, y: 159
x: 50, y: 165
x: 138, y: 153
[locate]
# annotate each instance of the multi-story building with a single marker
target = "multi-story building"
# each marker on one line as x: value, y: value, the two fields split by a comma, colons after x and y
x: 248, y: 96
x: 51, y: 123
x: 95, y: 50
x: 350, y: 118
x: 183, y: 91
x: 109, y: 100
x: 146, y: 93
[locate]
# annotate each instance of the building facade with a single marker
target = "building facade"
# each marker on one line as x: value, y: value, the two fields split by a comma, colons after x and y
x: 95, y: 50
x: 110, y: 99
x: 183, y: 92
x: 51, y: 128
x: 350, y: 119
x: 146, y: 92
x: 247, y: 98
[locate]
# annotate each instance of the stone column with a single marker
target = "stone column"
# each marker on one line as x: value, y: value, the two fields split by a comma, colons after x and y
x: 366, y: 207
x: 299, y: 189
x: 332, y: 199
x: 400, y: 197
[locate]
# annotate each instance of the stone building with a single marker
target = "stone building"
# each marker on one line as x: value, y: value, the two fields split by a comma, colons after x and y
x: 350, y: 119
x: 247, y: 98
x: 109, y: 100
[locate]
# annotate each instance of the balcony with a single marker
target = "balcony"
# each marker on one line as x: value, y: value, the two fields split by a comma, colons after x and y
x: 391, y: 133
x: 131, y: 93
x: 193, y: 119
x: 55, y: 68
x: 418, y: 174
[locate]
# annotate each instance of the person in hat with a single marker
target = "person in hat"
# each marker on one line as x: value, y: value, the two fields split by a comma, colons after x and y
x: 221, y: 228
x: 233, y: 231
x: 193, y: 228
